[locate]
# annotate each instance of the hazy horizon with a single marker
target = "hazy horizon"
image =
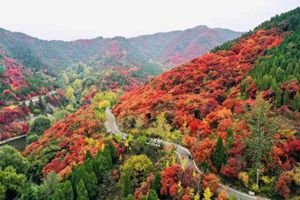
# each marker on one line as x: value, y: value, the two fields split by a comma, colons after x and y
x: 72, y: 20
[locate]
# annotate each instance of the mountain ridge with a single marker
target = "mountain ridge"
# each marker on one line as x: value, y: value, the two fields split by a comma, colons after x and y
x: 67, y: 52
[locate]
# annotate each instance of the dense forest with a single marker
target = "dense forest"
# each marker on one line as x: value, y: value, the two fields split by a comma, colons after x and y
x: 224, y: 125
x: 237, y: 109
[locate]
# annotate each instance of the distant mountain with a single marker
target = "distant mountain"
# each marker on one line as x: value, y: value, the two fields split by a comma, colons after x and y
x: 179, y: 46
x: 160, y: 50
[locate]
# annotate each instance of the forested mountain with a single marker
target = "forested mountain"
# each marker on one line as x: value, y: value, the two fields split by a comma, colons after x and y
x: 236, y: 107
x: 31, y: 67
x: 158, y: 49
x: 230, y: 116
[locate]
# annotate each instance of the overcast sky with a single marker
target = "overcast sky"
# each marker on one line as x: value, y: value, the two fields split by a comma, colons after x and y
x: 74, y: 19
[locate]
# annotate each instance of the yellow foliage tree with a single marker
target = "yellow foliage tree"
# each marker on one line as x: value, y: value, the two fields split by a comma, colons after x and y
x: 162, y: 129
x: 244, y: 177
x: 77, y: 84
x: 100, y: 96
x: 197, y: 197
x: 207, y: 194
x: 70, y: 94
x: 103, y: 105
x: 137, y: 169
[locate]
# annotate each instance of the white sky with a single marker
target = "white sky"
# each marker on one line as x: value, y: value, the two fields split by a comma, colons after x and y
x: 74, y: 19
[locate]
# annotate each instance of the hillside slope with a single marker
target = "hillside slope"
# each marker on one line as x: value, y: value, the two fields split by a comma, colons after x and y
x: 220, y: 99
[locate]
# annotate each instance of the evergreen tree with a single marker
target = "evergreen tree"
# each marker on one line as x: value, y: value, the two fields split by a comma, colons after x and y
x: 105, y: 161
x: 40, y: 124
x: 286, y: 97
x: 90, y: 182
x: 163, y: 86
x: 229, y: 138
x: 278, y: 96
x: 81, y: 191
x: 112, y: 151
x: 28, y: 193
x: 219, y: 154
x: 261, y: 139
x: 290, y: 69
x: 280, y: 74
x: 229, y: 141
x: 59, y: 192
x: 41, y: 104
x: 88, y: 155
x: 127, y: 188
x: 31, y: 106
x: 152, y: 195
x: 156, y: 183
x: 296, y: 102
x: 99, y: 169
x: 69, y: 194
x: 107, y: 155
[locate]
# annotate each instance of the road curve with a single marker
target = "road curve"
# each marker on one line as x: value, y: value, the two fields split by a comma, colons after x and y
x: 182, y: 153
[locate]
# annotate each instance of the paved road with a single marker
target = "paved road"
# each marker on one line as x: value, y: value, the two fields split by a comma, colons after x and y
x: 182, y: 153
x: 11, y: 139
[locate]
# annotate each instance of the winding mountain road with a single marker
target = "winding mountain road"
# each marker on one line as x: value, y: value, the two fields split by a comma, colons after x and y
x: 182, y: 153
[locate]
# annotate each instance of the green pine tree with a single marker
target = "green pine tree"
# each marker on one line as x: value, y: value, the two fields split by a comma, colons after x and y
x: 219, y: 154
x: 280, y: 74
x: 163, y: 86
x: 90, y: 182
x: 81, y: 191
x: 31, y: 106
x: 41, y: 104
x: 296, y: 102
x: 290, y: 69
x: 63, y: 191
x: 229, y: 139
x: 69, y: 194
x: 152, y: 195
x: 127, y: 188
x: 156, y: 183
x: 107, y: 156
x: 286, y: 97
x: 261, y: 140
x: 112, y: 150
x: 88, y: 155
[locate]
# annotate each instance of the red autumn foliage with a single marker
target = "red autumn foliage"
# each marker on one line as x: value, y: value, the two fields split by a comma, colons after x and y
x: 128, y: 78
x: 14, y: 77
x: 169, y: 179
x: 283, y: 184
x: 204, y: 150
x: 222, y: 71
x: 171, y: 176
x: 11, y: 122
x: 222, y: 195
x: 211, y: 181
x: 284, y: 154
x: 231, y: 169
x: 145, y: 187
x: 70, y: 135
x: 205, y: 96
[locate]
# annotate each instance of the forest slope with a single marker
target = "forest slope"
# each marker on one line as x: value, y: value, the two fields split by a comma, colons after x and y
x: 241, y: 99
